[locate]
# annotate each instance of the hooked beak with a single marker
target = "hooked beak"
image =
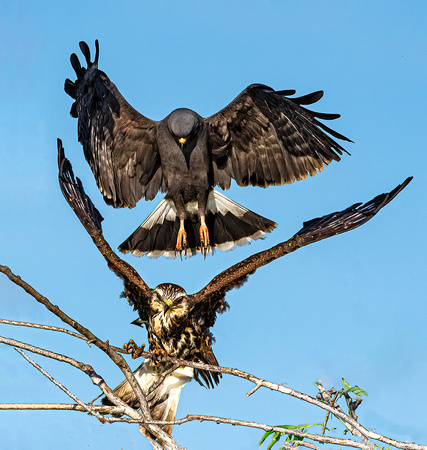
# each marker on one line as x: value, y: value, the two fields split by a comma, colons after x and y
x: 182, y: 141
x: 166, y: 308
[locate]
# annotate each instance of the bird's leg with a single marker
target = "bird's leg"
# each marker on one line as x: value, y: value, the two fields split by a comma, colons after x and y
x: 181, y: 240
x: 204, y: 233
x: 202, y: 199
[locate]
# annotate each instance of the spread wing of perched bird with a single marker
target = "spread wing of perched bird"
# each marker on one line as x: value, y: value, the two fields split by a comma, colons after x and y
x: 178, y: 324
x: 262, y: 138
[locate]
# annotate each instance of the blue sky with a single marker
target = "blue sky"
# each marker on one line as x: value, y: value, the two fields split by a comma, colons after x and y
x: 352, y: 306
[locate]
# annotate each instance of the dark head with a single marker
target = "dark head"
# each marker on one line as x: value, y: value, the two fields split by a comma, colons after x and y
x: 183, y: 124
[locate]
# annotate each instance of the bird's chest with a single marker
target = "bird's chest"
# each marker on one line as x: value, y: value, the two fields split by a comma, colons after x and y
x: 186, y: 171
x: 177, y: 337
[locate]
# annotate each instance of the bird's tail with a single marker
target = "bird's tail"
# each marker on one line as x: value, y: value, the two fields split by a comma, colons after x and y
x: 162, y: 396
x: 229, y: 224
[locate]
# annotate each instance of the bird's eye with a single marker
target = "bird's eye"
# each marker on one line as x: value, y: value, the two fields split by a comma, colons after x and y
x: 182, y: 140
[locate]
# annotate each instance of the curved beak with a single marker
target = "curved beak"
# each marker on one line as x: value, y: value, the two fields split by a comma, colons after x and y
x: 182, y: 141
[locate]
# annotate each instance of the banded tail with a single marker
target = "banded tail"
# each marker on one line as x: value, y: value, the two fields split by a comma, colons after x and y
x: 228, y: 222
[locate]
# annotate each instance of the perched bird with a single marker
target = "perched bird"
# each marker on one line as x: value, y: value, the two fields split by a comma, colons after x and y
x: 261, y: 138
x: 178, y: 324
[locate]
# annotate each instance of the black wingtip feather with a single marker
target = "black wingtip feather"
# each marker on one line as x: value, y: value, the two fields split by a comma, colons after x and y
x: 286, y: 92
x: 308, y: 99
x: 348, y: 219
x: 325, y: 116
x: 86, y: 52
x: 95, y: 62
x: 70, y: 88
x: 75, y: 63
x: 333, y: 133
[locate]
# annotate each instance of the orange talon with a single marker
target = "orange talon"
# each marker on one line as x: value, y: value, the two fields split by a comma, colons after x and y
x: 135, y: 350
x: 204, y: 235
x: 181, y: 240
x: 159, y: 352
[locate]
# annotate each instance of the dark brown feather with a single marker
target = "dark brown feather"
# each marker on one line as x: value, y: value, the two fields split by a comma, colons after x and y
x: 135, y: 287
x: 263, y: 138
x: 313, y: 231
x: 119, y: 143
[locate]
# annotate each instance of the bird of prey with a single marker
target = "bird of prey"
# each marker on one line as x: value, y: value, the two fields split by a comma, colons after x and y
x: 178, y: 324
x: 262, y: 138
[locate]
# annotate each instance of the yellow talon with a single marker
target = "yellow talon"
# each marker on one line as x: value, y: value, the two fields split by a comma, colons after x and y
x: 181, y: 240
x: 204, y: 235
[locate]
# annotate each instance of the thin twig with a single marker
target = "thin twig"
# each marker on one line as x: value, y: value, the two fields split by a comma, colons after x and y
x: 57, y: 329
x: 88, y: 408
x: 328, y: 414
x: 253, y: 390
x: 105, y: 409
x: 270, y: 428
x: 338, y: 412
x: 42, y: 327
x: 299, y: 444
x: 85, y: 368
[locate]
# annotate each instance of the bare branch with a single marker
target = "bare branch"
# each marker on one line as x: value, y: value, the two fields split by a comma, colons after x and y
x: 58, y: 329
x: 86, y: 368
x: 266, y: 427
x: 193, y: 417
x: 60, y: 407
x: 42, y: 327
x: 299, y: 444
x: 88, y: 408
x: 253, y: 390
x: 348, y: 421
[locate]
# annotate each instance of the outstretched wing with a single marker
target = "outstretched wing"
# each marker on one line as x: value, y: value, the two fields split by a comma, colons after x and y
x: 119, y: 143
x: 264, y: 138
x: 137, y: 292
x: 312, y: 231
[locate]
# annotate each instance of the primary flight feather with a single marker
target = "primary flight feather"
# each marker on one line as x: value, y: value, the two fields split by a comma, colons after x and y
x: 261, y: 138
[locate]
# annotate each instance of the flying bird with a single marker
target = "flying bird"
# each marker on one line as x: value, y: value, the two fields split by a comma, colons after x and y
x: 262, y: 138
x: 178, y: 324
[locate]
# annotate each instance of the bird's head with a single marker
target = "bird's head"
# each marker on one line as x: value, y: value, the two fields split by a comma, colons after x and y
x: 183, y: 124
x: 168, y: 298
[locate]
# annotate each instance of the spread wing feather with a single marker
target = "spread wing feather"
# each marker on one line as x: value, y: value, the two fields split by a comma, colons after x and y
x: 263, y: 138
x: 312, y: 231
x: 119, y: 143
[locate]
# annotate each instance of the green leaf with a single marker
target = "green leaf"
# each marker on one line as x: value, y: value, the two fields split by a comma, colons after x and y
x: 274, y: 441
x: 346, y: 385
x: 277, y: 435
x: 354, y: 389
x: 266, y: 434
x: 357, y: 391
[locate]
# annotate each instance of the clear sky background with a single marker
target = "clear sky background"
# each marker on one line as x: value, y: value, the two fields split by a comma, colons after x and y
x: 352, y: 306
